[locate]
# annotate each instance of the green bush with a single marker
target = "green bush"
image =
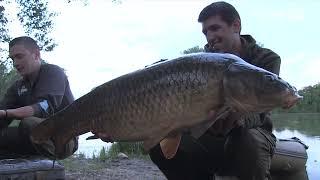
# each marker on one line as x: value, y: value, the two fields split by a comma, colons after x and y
x: 130, y: 148
x: 103, y: 155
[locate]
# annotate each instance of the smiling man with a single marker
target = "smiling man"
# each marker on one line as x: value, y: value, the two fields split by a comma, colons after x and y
x: 42, y: 91
x: 232, y: 146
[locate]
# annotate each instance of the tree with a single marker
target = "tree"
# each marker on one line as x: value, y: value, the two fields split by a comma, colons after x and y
x: 37, y: 21
x: 194, y: 49
x: 35, y: 18
x: 6, y: 79
x: 4, y: 35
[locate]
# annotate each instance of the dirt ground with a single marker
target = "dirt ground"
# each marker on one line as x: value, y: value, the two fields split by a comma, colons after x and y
x: 115, y: 169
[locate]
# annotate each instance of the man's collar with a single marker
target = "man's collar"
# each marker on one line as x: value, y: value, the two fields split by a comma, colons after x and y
x: 33, y: 77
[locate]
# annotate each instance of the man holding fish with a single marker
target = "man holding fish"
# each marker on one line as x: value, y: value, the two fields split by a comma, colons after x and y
x: 242, y: 148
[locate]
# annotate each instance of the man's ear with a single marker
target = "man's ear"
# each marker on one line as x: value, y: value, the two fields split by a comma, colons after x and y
x: 236, y: 25
x: 37, y: 55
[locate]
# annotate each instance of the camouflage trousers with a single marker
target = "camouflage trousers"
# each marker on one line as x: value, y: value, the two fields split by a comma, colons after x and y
x: 16, y: 141
x: 245, y: 153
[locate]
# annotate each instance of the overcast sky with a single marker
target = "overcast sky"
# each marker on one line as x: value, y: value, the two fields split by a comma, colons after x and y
x: 103, y: 40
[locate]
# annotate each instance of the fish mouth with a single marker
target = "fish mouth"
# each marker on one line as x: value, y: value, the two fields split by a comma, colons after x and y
x: 292, y: 98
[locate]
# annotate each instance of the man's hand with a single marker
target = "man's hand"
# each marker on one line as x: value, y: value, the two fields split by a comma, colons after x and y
x: 18, y: 113
x: 3, y: 117
x: 3, y: 114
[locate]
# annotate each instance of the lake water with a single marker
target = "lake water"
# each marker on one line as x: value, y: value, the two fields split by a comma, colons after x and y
x: 306, y: 127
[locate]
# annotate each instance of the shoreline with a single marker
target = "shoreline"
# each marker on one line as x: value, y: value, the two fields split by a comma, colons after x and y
x: 116, y: 168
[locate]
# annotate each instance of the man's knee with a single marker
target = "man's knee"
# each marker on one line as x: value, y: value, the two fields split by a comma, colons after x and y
x: 253, y: 140
x: 180, y: 167
x: 47, y: 148
x: 158, y: 158
x: 30, y: 122
x: 155, y: 154
x: 250, y: 152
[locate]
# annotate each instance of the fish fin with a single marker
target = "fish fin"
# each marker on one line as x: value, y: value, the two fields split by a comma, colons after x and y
x: 92, y: 137
x: 200, y: 129
x: 151, y: 142
x: 213, y: 116
x: 154, y: 140
x: 169, y: 146
x: 223, y: 112
x: 102, y: 136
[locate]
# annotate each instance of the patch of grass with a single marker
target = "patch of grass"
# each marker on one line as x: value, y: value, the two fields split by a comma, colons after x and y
x: 81, y: 155
x: 113, y: 150
x: 14, y: 123
x: 80, y: 163
x: 102, y: 155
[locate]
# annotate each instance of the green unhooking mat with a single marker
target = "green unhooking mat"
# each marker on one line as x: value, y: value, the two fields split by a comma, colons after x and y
x: 35, y: 168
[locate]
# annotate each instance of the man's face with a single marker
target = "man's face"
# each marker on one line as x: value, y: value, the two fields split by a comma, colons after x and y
x: 24, y: 59
x: 220, y: 36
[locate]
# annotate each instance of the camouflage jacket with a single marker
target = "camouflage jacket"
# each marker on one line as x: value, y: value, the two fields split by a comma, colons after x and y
x: 266, y: 59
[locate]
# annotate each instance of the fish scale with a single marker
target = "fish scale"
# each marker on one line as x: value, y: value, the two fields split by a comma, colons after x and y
x: 162, y: 100
x: 167, y: 80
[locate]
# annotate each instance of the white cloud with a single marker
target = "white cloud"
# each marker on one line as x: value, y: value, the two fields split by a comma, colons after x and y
x: 291, y: 14
x: 103, y: 40
x: 301, y: 69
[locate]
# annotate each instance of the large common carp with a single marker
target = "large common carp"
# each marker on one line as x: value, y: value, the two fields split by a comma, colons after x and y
x: 164, y: 99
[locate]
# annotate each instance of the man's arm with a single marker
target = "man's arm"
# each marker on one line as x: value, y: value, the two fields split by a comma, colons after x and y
x: 20, y: 113
x: 8, y: 110
x: 268, y: 60
x: 51, y: 90
x: 3, y: 114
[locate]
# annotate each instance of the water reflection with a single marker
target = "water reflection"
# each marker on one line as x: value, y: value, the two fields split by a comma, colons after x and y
x: 305, y: 123
x: 307, y: 128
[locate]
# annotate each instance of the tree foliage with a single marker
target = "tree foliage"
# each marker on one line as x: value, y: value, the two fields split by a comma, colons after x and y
x: 34, y: 16
x: 6, y: 78
x: 37, y: 21
x: 194, y: 49
x: 4, y: 32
